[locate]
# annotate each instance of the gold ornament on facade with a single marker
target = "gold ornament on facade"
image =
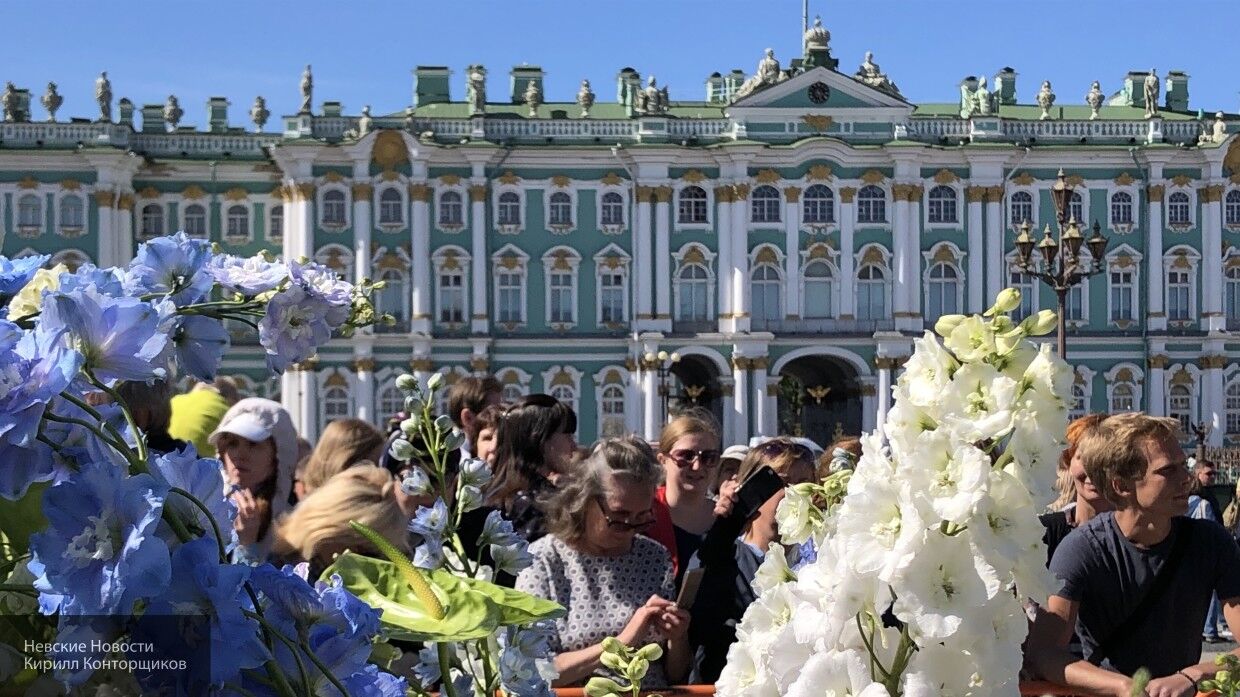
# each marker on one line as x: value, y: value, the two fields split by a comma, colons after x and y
x: 819, y: 123
x: 1182, y: 377
x: 944, y: 253
x: 362, y: 191
x: 363, y: 365
x: 975, y: 194
x: 1123, y: 375
x: 419, y: 192
x: 868, y: 390
x: 1023, y: 179
x: 613, y: 261
x: 611, y: 179
x: 994, y: 194
x: 766, y: 255
x: 561, y: 262
x: 693, y: 255
x: 70, y: 184
x: 740, y: 191
x: 792, y: 194
x: 422, y: 365
x: 450, y: 262
x: 767, y: 176
x: 1210, y: 194
x: 1123, y: 261
x: 693, y: 176
x: 561, y: 181
x: 1158, y: 361
x: 873, y: 176
x: 478, y: 192
x: 820, y: 173
x: 391, y: 261
x: 820, y: 250
x: 945, y: 176
x: 149, y: 192
x: 389, y: 151
x: 1124, y: 179
x: 28, y: 182
x: 104, y: 199
x: 125, y: 202
x: 236, y: 193
x: 193, y: 192
x: 333, y: 176
x: 847, y: 193
x: 280, y: 193
x: 563, y: 377
x: 479, y: 364
x: 334, y: 259
x: 1212, y: 362
x: 510, y: 261
x: 1181, y: 261
x: 509, y: 178
x: 389, y: 175
x: 724, y: 194
x: 1074, y: 180
x: 901, y: 192
x: 915, y: 193
x: 818, y: 393
x: 1155, y: 192
x: 662, y: 194
x: 873, y: 255
x: 1231, y: 160
x: 630, y: 364
x: 613, y: 377
x: 449, y: 179
x: 1181, y: 180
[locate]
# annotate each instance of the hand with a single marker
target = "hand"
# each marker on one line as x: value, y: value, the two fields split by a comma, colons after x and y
x: 673, y: 623
x: 1174, y: 685
x: 634, y: 633
x: 727, y: 497
x: 249, y: 516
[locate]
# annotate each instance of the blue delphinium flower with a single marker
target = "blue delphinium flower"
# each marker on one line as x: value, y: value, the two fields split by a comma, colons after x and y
x: 76, y: 446
x: 497, y: 530
x: 288, y: 600
x: 512, y: 559
x: 34, y: 368
x: 475, y: 473
x: 372, y: 682
x: 174, y: 266
x: 322, y: 283
x: 200, y: 477
x: 119, y: 338
x: 426, y: 668
x: 430, y: 522
x: 293, y: 328
x: 429, y: 554
x: 100, y: 552
x: 109, y: 281
x: 16, y: 273
x: 248, y: 276
x: 200, y: 343
x: 518, y: 673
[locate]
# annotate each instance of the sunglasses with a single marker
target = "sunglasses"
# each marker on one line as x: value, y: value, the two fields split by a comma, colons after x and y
x: 685, y: 457
x: 777, y: 448
x: 622, y: 525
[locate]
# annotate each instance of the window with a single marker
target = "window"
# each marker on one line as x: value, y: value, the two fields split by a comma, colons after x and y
x: 1076, y: 303
x: 560, y: 213
x: 1028, y: 294
x: 1123, y: 292
x: 509, y: 209
x: 275, y: 231
x: 195, y: 220
x: 1123, y: 397
x: 1020, y: 208
x: 451, y: 297
x: 871, y: 292
x: 1180, y: 406
x: 391, y: 403
x: 30, y: 211
x: 391, y: 299
x: 1233, y: 293
x: 764, y: 205
x: 693, y: 284
x: 565, y: 394
x: 942, y: 204
x: 691, y: 208
x: 1231, y: 208
x: 1177, y: 209
x: 818, y: 300
x: 611, y: 297
x: 1080, y: 402
x: 943, y: 290
x: 334, y: 208
x: 1178, y: 289
x: 451, y: 211
x: 612, y: 212
x: 560, y: 297
x: 391, y: 207
x: 611, y: 422
x: 335, y: 404
x: 512, y: 392
x: 767, y: 290
x: 818, y: 205
x: 72, y: 212
x: 238, y: 224
x: 1076, y: 207
x: 509, y: 287
x: 1121, y: 208
x: 1232, y: 408
x: 152, y: 220
x: 871, y: 205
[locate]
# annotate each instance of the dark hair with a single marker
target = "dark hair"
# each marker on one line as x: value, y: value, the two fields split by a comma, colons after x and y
x: 523, y: 429
x: 471, y: 393
x: 487, y: 418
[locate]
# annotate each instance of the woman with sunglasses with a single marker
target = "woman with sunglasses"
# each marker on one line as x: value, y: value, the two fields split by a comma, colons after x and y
x: 732, y: 552
x: 689, y: 454
x: 610, y: 580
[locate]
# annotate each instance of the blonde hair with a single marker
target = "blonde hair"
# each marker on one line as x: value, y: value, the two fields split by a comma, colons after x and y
x: 319, y: 526
x: 344, y: 443
x: 781, y: 463
x: 1113, y: 450
x: 1065, y: 483
x: 687, y: 423
x: 1231, y: 515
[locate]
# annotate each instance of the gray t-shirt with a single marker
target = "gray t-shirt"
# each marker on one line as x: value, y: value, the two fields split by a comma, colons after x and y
x: 1108, y: 575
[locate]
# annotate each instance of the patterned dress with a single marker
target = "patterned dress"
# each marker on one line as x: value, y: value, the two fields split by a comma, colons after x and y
x: 600, y: 593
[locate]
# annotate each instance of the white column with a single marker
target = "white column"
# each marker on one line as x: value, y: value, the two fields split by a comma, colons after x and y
x: 902, y: 252
x: 663, y: 256
x: 479, y: 256
x: 884, y: 364
x: 651, y: 405
x: 869, y: 403
x: 420, y: 223
x: 421, y: 366
x: 1212, y: 409
x: 848, y: 271
x: 643, y: 255
x: 299, y: 383
x: 1154, y: 267
x: 760, y: 404
x: 740, y: 262
x: 740, y: 398
x: 1156, y: 386
x: 792, y: 252
x: 976, y: 282
x: 912, y: 241
x: 362, y: 227
x: 997, y: 279
x: 1212, y: 316
x: 109, y: 248
x: 770, y: 423
x: 726, y: 387
x: 364, y: 372
x: 633, y: 422
x: 723, y: 262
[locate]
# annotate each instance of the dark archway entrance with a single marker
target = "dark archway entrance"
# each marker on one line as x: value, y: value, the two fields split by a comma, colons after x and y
x: 695, y: 384
x: 819, y: 398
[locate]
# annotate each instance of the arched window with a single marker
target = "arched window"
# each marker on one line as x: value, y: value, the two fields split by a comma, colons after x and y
x: 72, y: 212
x: 1231, y: 208
x: 509, y: 209
x: 334, y: 208
x: 561, y: 210
x: 1123, y: 397
x: 694, y: 286
x: 613, y: 209
x: 30, y: 211
x: 1020, y: 208
x: 1076, y: 207
x: 1121, y: 208
x: 871, y: 292
x: 1028, y: 294
x: 1080, y: 402
x: 1177, y: 209
x: 391, y: 207
x: 612, y: 422
x: 238, y: 224
x: 943, y: 290
x: 335, y: 404
x: 767, y: 293
x: 1232, y: 407
x: 1233, y: 293
x: 512, y: 392
x: 1180, y: 406
x: 152, y: 220
x: 275, y: 227
x: 764, y: 205
x: 818, y: 205
x: 871, y: 205
x: 195, y: 220
x: 565, y: 394
x: 942, y: 204
x: 818, y: 299
x: 391, y: 300
x: 391, y: 402
x: 691, y: 207
x: 451, y: 211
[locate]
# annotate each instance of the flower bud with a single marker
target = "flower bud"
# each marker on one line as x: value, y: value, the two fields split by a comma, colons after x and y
x: 650, y: 652
x: 947, y: 323
x: 638, y: 669
x: 434, y: 382
x: 410, y: 427
x: 1042, y: 323
x: 612, y: 661
x: 443, y: 422
x: 613, y: 645
x: 603, y: 687
x: 1008, y: 300
x: 455, y: 439
x: 402, y: 450
x: 413, y: 405
x: 407, y: 383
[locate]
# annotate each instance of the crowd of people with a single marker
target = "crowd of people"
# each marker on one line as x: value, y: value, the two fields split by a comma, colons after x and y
x: 1146, y: 565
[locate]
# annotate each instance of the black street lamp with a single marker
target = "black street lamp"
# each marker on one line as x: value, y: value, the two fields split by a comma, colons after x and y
x: 661, y: 363
x: 1060, y: 264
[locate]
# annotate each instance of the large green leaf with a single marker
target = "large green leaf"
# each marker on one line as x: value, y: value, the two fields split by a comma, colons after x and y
x: 515, y: 607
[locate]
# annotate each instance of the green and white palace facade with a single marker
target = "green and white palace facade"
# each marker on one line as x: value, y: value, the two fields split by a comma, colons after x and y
x: 802, y: 222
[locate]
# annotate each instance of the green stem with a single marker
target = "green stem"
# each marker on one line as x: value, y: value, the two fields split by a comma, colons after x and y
x: 488, y: 666
x: 219, y: 538
x: 292, y: 646
x: 445, y: 668
x: 869, y: 646
x: 140, y: 465
x: 24, y: 590
x: 121, y: 447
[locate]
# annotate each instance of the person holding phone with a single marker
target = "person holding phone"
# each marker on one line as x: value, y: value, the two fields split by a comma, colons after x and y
x: 611, y: 580
x: 735, y: 547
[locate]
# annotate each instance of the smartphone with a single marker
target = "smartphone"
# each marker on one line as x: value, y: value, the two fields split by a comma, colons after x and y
x: 689, y: 588
x: 756, y: 490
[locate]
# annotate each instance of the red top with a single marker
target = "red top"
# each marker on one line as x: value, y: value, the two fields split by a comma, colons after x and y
x: 663, y: 531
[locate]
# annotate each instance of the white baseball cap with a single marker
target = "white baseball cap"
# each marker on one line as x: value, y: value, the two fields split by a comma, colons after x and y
x: 252, y: 425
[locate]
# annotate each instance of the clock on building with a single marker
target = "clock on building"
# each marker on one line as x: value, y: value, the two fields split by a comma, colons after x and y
x: 818, y: 92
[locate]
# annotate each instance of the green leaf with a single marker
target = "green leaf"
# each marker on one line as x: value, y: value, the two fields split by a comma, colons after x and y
x: 515, y: 607
x: 20, y: 519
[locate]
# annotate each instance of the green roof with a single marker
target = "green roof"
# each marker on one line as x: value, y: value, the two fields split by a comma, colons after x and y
x: 1068, y: 112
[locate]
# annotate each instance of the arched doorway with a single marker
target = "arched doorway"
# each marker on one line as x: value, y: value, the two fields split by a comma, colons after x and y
x: 819, y: 397
x: 695, y: 384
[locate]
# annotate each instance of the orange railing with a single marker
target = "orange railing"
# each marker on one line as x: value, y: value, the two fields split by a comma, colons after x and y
x: 1030, y: 689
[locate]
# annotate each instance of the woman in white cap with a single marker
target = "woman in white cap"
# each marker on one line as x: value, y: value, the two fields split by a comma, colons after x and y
x: 257, y: 445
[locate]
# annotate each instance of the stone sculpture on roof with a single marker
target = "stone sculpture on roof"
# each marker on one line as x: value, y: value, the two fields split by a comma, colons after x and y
x: 365, y: 123
x: 51, y: 101
x: 968, y: 102
x: 1095, y: 99
x: 870, y: 74
x: 173, y: 111
x: 476, y: 89
x: 533, y: 97
x: 652, y: 100
x: 9, y: 101
x: 1151, y: 94
x: 585, y: 98
x: 1217, y: 133
x: 982, y: 98
x: 103, y: 95
x: 259, y: 113
x: 768, y: 74
x: 307, y: 90
x: 1046, y: 99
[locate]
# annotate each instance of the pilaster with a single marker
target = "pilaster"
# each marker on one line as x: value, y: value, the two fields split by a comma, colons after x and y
x: 420, y: 225
x: 643, y: 258
x: 723, y: 271
x: 1156, y: 383
x: 478, y: 255
x: 996, y: 255
x: 848, y: 262
x: 976, y: 283
x: 1213, y: 408
x: 740, y: 259
x: 662, y: 258
x: 792, y: 253
x: 364, y: 379
x: 1213, y: 318
x: 1157, y: 315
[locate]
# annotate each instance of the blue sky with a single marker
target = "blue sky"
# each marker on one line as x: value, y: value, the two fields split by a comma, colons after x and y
x: 363, y: 51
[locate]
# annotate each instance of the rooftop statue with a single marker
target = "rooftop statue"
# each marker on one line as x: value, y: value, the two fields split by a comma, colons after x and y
x: 103, y: 95
x: 983, y: 98
x: 1151, y: 94
x: 651, y: 100
x: 533, y: 97
x: 585, y: 98
x: 968, y: 101
x: 259, y: 113
x: 1217, y: 133
x: 9, y: 101
x: 307, y: 90
x: 768, y: 74
x: 476, y: 89
x: 173, y: 111
x: 1095, y: 99
x: 51, y: 101
x: 870, y: 74
x: 1046, y: 99
x: 365, y: 123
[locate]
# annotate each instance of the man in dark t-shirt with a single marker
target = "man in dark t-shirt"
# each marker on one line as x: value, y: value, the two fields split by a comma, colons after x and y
x: 1106, y: 567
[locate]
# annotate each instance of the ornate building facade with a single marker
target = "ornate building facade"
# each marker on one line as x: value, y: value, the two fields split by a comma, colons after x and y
x: 787, y: 236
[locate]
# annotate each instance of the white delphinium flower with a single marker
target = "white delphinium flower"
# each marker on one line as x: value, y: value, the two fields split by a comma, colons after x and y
x: 746, y: 673
x: 950, y: 478
x: 979, y: 403
x: 927, y: 372
x: 833, y: 674
x: 880, y: 529
x: 773, y: 570
x: 973, y: 339
x: 943, y: 585
x: 796, y: 516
